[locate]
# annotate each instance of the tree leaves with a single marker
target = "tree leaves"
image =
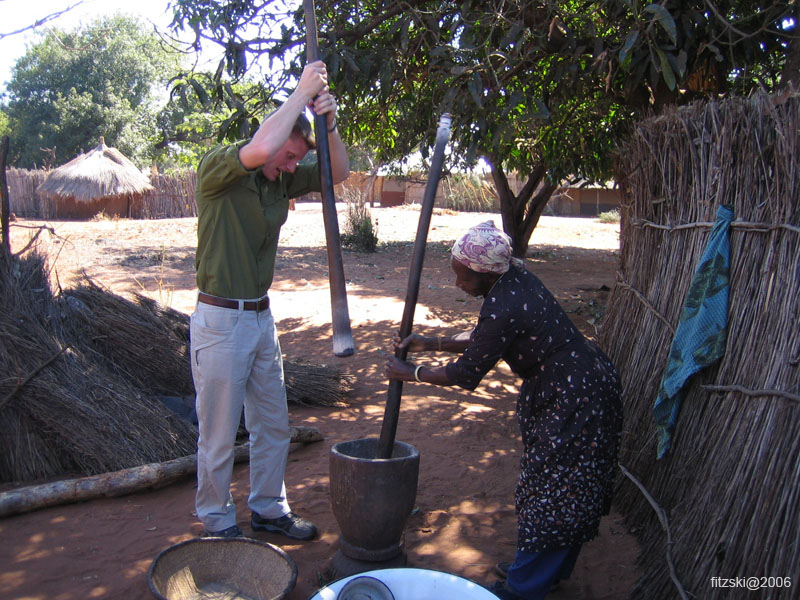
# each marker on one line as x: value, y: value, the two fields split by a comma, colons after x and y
x: 664, y: 19
x: 624, y: 52
x: 526, y: 83
x: 475, y: 86
x: 666, y: 68
x: 72, y: 87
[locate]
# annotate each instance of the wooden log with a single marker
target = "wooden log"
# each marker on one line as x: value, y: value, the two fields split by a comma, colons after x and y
x: 121, y: 483
x: 305, y: 435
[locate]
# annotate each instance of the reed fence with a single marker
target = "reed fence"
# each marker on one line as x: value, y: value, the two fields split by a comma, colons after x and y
x: 729, y: 488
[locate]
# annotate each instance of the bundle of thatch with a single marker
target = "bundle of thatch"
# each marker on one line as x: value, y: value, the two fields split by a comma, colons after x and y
x: 60, y: 410
x: 144, y: 343
x: 729, y: 485
x: 148, y: 344
x: 85, y: 372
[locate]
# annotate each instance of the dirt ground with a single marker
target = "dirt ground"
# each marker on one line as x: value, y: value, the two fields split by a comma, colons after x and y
x: 469, y: 444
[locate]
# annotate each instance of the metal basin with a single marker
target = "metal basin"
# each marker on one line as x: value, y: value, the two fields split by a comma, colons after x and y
x: 415, y: 584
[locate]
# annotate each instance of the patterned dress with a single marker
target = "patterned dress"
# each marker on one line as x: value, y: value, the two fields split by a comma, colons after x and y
x: 568, y: 409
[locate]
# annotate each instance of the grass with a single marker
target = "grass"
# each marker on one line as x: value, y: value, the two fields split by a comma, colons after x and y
x: 467, y: 193
x: 611, y: 216
x: 360, y: 233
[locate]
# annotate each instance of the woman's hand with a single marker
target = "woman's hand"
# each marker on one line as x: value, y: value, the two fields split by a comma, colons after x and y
x: 414, y: 343
x: 398, y: 369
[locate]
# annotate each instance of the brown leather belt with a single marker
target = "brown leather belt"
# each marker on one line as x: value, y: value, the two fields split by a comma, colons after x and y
x: 257, y: 305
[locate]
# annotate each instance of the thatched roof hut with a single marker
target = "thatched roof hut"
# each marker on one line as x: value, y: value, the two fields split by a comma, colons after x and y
x: 729, y: 487
x: 102, y: 180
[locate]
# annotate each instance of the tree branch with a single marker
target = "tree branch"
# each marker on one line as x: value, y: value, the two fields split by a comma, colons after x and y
x: 535, y: 209
x: 31, y: 375
x: 662, y: 517
x: 505, y: 195
x: 751, y: 393
x: 42, y: 21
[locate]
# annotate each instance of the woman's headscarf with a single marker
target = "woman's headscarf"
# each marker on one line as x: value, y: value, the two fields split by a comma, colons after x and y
x: 485, y: 249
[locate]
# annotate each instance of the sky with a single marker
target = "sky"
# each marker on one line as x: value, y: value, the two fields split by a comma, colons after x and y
x: 17, y: 14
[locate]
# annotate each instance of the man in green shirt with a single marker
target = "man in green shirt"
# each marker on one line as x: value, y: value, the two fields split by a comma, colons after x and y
x: 243, y: 193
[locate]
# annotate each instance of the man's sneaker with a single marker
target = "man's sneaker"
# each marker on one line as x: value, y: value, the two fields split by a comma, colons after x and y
x: 289, y: 525
x: 230, y: 532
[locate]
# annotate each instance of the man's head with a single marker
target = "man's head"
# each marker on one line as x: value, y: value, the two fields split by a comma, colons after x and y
x: 300, y: 141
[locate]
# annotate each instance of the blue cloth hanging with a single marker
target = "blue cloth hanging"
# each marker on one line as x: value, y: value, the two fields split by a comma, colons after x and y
x: 702, y: 331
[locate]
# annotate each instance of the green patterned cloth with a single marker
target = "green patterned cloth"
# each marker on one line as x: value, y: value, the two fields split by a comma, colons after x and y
x: 702, y: 331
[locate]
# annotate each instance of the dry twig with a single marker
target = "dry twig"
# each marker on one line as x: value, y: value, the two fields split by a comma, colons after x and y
x: 30, y: 376
x: 662, y: 518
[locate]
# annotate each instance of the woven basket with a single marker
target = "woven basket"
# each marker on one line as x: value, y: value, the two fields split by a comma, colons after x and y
x: 224, y: 569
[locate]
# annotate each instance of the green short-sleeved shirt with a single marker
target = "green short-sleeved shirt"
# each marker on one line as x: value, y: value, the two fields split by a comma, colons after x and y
x: 240, y: 214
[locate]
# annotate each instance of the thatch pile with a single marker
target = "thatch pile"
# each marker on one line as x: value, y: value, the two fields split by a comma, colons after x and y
x: 84, y: 373
x: 61, y: 411
x: 730, y: 485
x: 148, y: 344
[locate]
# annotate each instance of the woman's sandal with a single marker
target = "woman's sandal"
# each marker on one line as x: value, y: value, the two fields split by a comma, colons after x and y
x: 501, y: 569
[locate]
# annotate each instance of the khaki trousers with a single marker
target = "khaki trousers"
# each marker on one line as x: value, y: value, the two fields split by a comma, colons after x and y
x: 236, y: 363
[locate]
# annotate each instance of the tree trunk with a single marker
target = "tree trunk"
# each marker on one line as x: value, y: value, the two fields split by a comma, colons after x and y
x: 120, y: 483
x: 369, y: 189
x: 791, y: 68
x: 4, y: 207
x: 521, y: 211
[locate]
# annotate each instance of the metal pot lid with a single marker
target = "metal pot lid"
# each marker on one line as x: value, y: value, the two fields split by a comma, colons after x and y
x: 365, y: 588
